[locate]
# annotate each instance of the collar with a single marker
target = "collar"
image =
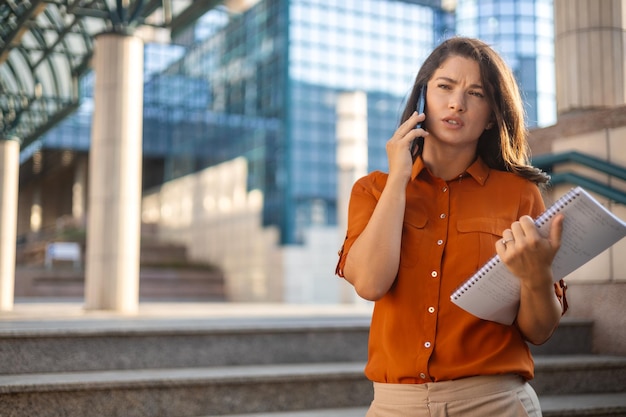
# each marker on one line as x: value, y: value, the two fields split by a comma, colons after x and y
x: 477, y: 170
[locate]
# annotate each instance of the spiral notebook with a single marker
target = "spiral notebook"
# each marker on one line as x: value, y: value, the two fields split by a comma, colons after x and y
x: 493, y: 292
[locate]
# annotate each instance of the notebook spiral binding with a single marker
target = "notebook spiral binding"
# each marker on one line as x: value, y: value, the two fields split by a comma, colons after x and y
x: 557, y: 206
x: 540, y: 221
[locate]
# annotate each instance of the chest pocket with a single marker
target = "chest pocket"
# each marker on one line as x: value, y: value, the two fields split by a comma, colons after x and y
x: 412, y: 235
x: 482, y: 233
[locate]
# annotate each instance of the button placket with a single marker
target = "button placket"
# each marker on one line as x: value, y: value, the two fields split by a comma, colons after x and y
x: 430, y: 309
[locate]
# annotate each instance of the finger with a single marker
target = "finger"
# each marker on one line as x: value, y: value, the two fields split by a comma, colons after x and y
x: 528, y: 224
x: 517, y: 230
x: 556, y: 230
x: 410, y: 123
x: 507, y: 239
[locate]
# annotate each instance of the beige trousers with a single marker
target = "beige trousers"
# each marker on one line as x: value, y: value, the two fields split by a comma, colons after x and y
x: 480, y: 396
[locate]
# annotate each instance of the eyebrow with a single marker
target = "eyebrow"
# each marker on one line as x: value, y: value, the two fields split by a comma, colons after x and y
x: 452, y: 81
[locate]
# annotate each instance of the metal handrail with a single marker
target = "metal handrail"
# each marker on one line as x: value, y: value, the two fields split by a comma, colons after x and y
x: 590, y: 185
x: 548, y: 161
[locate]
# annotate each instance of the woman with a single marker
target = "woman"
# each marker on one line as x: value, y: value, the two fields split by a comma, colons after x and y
x: 417, y: 233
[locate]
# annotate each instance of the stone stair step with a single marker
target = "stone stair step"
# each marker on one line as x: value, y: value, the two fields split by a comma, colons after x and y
x: 584, y: 405
x: 305, y: 365
x: 258, y: 388
x: 185, y: 391
x: 157, y: 377
x: 154, y: 252
x: 579, y: 374
x: 63, y: 346
x: 573, y: 336
x: 323, y: 412
x: 183, y: 283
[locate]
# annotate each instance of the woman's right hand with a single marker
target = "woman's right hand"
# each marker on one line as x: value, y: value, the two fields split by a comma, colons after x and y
x: 373, y: 261
x: 398, y: 147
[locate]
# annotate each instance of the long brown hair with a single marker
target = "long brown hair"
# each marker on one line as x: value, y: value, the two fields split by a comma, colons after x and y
x: 504, y: 147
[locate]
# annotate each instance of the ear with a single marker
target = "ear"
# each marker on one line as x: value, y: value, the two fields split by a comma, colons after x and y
x: 491, y: 122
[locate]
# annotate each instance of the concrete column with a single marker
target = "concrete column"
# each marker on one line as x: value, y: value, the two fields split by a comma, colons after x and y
x: 113, y: 219
x: 589, y: 51
x: 9, y: 180
x: 351, y: 159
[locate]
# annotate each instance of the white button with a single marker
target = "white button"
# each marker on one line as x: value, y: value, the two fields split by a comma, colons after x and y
x: 440, y: 242
x: 442, y: 215
x: 427, y: 344
x: 444, y: 189
x: 423, y: 375
x: 431, y: 309
x: 434, y: 274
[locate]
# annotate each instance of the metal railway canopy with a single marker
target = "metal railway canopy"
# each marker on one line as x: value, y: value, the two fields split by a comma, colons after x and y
x: 47, y: 45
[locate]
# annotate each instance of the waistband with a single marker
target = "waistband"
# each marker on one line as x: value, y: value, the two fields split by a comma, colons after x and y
x: 459, y: 389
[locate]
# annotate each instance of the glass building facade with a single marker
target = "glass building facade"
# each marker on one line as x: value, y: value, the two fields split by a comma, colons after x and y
x: 523, y: 32
x: 264, y: 84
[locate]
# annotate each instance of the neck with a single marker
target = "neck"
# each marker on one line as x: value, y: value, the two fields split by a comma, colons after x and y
x: 448, y: 165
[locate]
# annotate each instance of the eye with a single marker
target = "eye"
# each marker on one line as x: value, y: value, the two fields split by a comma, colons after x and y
x: 443, y: 86
x: 477, y: 94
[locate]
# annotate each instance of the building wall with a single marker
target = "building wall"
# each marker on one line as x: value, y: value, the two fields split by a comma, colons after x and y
x: 610, y: 145
x: 596, y: 290
x: 309, y: 269
x: 45, y: 205
x: 592, y: 119
x: 219, y: 221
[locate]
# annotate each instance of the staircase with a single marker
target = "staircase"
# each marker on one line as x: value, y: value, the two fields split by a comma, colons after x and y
x: 247, y: 365
x: 166, y: 274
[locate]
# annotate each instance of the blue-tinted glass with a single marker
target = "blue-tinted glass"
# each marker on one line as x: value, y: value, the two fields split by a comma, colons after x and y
x: 506, y: 7
x: 486, y: 8
x: 526, y: 8
x: 264, y: 84
x: 526, y: 47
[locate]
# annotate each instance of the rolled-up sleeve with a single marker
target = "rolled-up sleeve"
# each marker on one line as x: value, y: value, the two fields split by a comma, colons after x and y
x: 363, y: 199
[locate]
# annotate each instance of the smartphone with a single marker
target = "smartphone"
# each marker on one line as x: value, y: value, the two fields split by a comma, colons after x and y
x: 421, y: 104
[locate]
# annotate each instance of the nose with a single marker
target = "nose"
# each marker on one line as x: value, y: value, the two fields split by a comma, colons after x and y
x: 457, y: 102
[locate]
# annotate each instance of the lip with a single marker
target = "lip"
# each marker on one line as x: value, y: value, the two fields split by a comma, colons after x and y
x: 458, y: 121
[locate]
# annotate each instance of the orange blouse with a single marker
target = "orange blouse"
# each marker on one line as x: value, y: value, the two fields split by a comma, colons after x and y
x: 450, y: 229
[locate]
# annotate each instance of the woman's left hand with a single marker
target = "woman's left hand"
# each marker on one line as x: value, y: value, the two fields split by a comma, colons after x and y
x: 529, y: 256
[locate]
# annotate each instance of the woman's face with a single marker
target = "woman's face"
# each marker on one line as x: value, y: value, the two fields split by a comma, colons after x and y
x: 457, y: 110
